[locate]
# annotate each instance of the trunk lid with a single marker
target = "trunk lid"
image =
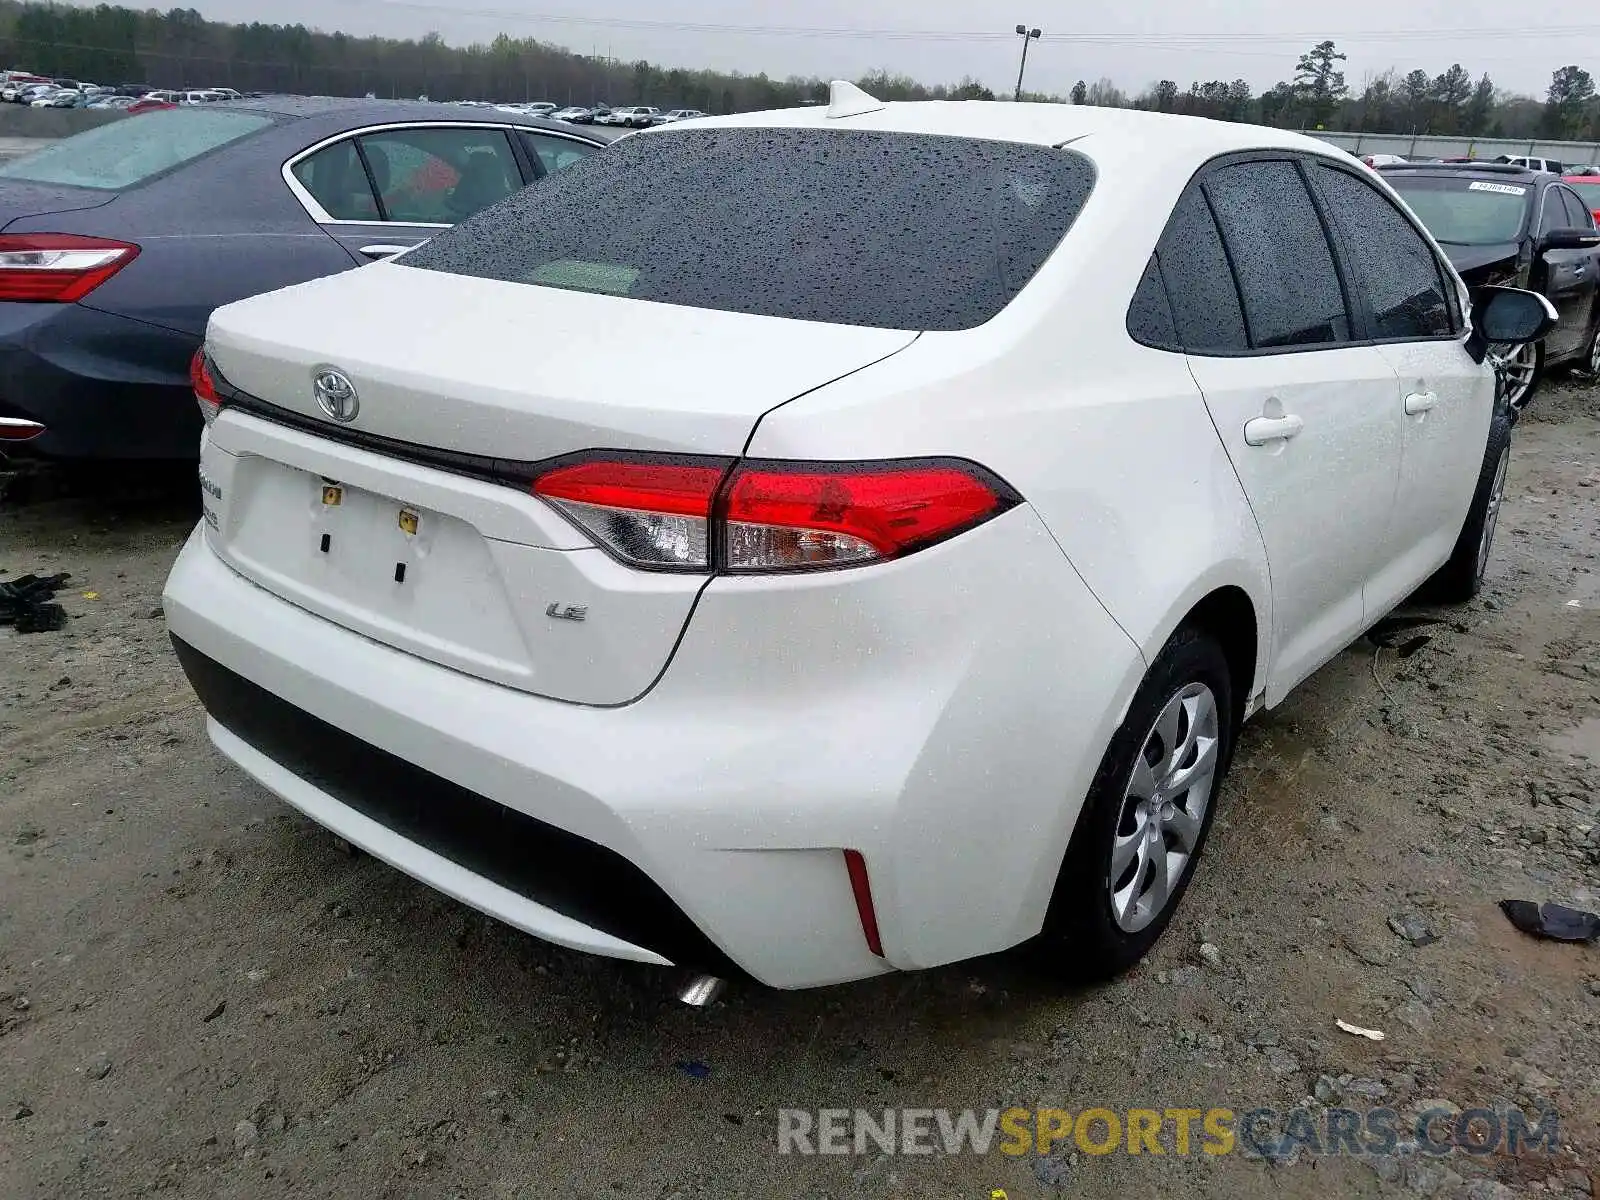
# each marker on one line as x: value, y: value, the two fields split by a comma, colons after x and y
x: 477, y: 575
x: 522, y: 372
x: 20, y: 199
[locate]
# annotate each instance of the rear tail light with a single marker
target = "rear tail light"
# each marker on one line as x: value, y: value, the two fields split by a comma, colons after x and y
x: 58, y: 267
x: 205, y: 386
x: 17, y: 429
x: 667, y: 513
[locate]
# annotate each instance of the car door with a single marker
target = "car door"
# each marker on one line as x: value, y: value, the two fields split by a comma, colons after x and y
x: 1304, y: 412
x: 1443, y: 400
x: 1565, y: 276
x: 382, y: 191
x: 1579, y: 217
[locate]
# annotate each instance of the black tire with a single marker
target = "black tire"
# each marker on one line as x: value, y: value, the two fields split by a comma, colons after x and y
x: 1082, y: 940
x: 1460, y: 579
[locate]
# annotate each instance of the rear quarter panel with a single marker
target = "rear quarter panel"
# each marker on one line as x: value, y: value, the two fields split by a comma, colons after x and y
x: 217, y: 230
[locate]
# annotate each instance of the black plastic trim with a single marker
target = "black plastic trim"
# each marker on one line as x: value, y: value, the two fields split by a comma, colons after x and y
x: 564, y: 872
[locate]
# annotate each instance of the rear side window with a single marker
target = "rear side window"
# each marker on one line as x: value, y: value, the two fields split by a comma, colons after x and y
x: 1280, y: 254
x: 440, y: 176
x: 125, y: 153
x: 1150, y: 314
x: 338, y: 182
x: 1577, y: 213
x: 855, y: 227
x: 1397, y: 270
x: 1205, y: 302
x: 554, y: 154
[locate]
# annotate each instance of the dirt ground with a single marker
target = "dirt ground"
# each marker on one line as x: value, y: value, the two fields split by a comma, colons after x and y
x: 199, y: 996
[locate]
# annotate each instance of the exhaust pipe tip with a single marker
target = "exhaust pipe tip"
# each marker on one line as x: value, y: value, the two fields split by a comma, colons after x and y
x: 701, y: 990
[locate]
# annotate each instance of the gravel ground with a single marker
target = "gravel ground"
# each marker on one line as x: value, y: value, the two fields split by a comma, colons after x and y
x: 200, y: 996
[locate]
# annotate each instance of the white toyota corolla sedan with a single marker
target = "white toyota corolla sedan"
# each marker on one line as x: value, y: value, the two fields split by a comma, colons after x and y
x: 836, y: 541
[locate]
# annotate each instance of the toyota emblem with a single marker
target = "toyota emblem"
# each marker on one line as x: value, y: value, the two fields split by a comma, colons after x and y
x: 336, y: 395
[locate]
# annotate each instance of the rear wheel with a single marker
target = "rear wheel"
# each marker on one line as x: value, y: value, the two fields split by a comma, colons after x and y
x: 1146, y: 817
x: 1460, y: 579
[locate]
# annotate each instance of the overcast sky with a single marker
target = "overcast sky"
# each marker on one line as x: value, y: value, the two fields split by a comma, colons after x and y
x: 1133, y: 41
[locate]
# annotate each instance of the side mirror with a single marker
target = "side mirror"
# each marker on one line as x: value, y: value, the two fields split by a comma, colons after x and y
x: 1569, y: 239
x: 1508, y: 316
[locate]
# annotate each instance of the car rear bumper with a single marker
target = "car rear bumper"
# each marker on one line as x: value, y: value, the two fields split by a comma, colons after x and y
x: 704, y: 824
x: 104, y: 386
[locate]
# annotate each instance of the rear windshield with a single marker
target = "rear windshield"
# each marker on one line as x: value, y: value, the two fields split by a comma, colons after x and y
x: 1465, y: 211
x: 891, y: 230
x: 128, y: 152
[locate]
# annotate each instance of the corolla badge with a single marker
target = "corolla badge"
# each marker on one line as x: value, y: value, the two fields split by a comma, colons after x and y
x: 336, y: 395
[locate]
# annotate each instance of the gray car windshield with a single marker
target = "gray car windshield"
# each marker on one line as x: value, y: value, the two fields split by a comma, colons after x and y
x: 858, y: 227
x: 127, y: 152
x: 1466, y: 212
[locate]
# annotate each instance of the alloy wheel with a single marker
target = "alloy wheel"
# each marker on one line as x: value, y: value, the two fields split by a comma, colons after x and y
x: 1491, y: 516
x: 1517, y: 366
x: 1594, y: 353
x: 1164, y: 807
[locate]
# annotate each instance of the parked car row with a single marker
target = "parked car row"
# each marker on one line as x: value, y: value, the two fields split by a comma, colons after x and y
x: 638, y: 116
x: 671, y: 598
x: 69, y: 93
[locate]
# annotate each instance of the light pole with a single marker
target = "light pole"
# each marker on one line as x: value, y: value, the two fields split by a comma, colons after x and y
x: 1027, y: 35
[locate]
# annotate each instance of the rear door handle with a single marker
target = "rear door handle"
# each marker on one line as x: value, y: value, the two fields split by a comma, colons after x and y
x: 1420, y: 402
x: 1261, y: 431
x: 383, y: 250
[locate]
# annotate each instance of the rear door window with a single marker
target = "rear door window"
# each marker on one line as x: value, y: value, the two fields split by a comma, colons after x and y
x: 338, y: 182
x: 440, y: 176
x: 124, y: 154
x: 1396, y: 269
x: 1287, y: 278
x: 1205, y: 299
x: 855, y: 227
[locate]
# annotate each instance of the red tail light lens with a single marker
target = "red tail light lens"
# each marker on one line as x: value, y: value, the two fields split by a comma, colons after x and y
x: 58, y: 268
x: 692, y: 514
x: 782, y: 517
x: 648, y: 512
x: 861, y: 886
x: 205, y: 386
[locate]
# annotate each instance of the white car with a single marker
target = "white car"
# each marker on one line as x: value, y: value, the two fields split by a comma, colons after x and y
x: 636, y: 117
x: 898, y: 596
x: 672, y: 116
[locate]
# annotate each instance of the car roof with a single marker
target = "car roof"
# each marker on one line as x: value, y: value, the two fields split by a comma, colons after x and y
x: 1507, y: 172
x: 361, y: 110
x: 1102, y: 132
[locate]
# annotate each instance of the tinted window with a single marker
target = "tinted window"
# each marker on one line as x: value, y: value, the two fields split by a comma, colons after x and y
x: 1205, y: 302
x: 1396, y: 269
x: 555, y: 154
x: 893, y: 230
x: 336, y: 180
x: 1464, y: 211
x: 124, y: 153
x: 1150, y: 315
x: 1589, y: 193
x: 1280, y: 255
x: 440, y: 176
x: 1578, y: 216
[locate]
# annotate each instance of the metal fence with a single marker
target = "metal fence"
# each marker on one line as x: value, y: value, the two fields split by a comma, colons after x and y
x: 1434, y: 146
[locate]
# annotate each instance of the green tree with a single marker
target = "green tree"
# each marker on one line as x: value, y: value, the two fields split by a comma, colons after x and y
x: 1319, y: 84
x: 1080, y: 92
x: 1448, y: 95
x: 1414, y: 90
x: 1567, y: 104
x: 1475, y: 117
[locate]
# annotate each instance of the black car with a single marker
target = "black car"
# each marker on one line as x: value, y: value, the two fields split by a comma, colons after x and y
x: 116, y: 244
x: 1505, y: 224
